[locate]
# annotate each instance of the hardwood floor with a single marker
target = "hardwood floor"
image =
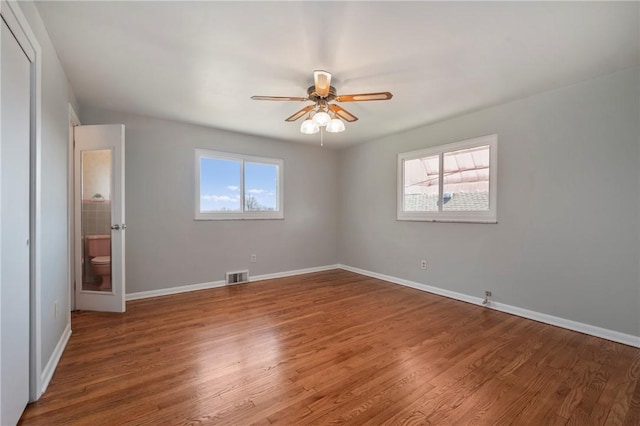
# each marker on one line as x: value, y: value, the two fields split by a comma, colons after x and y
x: 332, y: 348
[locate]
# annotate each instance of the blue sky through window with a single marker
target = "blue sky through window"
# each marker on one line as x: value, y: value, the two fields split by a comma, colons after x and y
x: 220, y: 185
x: 260, y: 183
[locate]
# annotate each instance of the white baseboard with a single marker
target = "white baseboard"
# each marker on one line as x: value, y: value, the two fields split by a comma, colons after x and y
x: 173, y: 290
x: 221, y: 283
x: 50, y: 368
x: 616, y: 336
x: 292, y: 273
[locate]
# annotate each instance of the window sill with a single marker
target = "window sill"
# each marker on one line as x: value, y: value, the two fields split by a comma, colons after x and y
x: 447, y: 219
x: 232, y: 216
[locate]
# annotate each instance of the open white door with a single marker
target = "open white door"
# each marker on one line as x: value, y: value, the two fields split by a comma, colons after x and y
x: 99, y: 212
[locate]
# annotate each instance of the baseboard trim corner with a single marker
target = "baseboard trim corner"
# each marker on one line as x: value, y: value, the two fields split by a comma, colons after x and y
x: 50, y: 368
x: 592, y: 330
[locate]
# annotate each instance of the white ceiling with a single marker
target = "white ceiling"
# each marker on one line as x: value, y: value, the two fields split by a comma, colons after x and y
x: 199, y: 62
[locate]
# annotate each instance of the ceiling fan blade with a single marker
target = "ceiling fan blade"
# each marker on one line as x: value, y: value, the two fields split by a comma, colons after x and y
x: 300, y: 113
x: 342, y: 113
x: 380, y: 96
x: 278, y: 98
x: 322, y: 80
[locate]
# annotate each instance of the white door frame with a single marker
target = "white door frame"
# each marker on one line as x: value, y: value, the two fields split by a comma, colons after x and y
x: 73, y: 122
x: 17, y: 22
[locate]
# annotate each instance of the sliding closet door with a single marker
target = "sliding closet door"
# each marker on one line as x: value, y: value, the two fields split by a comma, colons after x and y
x: 14, y: 216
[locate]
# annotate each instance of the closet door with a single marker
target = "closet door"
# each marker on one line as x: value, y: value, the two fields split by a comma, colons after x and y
x: 15, y: 75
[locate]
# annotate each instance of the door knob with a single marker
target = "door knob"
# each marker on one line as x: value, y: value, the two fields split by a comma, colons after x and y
x: 115, y: 227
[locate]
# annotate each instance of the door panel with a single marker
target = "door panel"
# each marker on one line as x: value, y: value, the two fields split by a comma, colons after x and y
x: 99, y: 212
x: 14, y: 297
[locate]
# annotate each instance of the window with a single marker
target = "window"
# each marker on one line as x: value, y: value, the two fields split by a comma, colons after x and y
x: 236, y: 186
x: 449, y: 183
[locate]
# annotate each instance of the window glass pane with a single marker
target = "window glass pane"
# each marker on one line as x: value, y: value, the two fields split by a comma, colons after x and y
x: 219, y: 185
x: 466, y: 180
x: 421, y: 184
x: 260, y: 187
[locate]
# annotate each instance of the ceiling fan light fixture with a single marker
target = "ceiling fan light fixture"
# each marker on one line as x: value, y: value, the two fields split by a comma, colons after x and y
x: 322, y: 95
x: 321, y: 118
x: 308, y: 127
x: 335, y: 126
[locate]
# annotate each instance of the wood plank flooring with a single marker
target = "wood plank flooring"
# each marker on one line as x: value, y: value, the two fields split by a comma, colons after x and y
x: 332, y: 348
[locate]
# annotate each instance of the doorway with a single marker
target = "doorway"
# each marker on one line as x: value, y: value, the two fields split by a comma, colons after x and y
x: 99, y: 228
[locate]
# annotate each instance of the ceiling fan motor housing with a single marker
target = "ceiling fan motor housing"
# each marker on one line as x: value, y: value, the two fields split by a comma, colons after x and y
x: 313, y: 96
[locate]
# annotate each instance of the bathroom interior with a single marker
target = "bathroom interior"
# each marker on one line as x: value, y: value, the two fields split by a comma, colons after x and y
x: 96, y: 220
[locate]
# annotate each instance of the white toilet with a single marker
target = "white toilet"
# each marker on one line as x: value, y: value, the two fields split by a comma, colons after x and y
x: 99, y: 252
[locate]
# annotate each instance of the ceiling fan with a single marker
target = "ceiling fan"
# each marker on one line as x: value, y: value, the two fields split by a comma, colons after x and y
x: 322, y: 94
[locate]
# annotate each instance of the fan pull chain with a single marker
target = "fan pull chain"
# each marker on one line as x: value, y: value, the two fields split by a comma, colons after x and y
x: 321, y: 137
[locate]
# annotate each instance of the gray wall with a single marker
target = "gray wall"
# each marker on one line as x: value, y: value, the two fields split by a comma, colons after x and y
x: 166, y: 247
x: 567, y: 238
x: 54, y: 140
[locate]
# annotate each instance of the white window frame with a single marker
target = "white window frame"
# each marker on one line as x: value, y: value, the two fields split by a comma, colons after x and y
x: 489, y: 216
x: 241, y: 158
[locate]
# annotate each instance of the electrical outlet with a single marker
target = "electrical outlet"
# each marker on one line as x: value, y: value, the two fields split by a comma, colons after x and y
x: 423, y: 264
x: 254, y: 258
x: 487, y: 293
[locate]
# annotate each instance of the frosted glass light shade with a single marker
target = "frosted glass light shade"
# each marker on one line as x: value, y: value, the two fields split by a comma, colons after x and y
x: 321, y: 118
x: 308, y: 127
x: 335, y: 126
